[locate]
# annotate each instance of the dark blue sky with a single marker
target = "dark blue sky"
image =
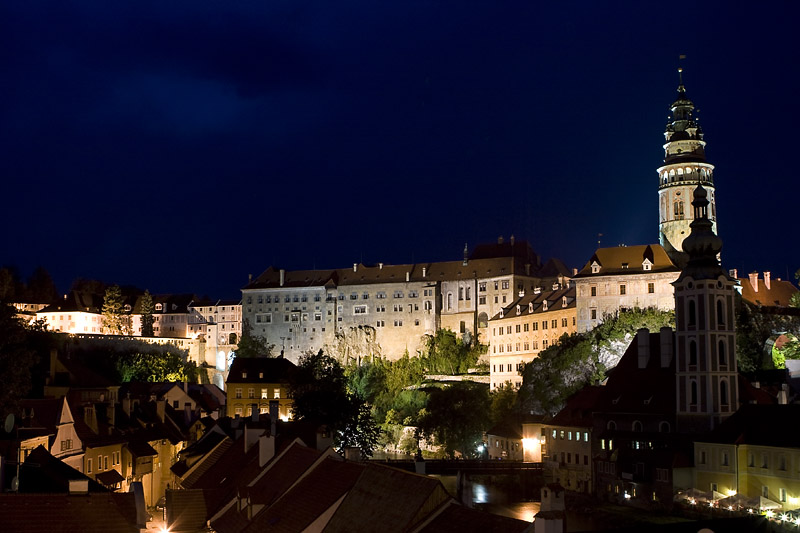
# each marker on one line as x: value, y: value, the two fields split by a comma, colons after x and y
x: 180, y: 146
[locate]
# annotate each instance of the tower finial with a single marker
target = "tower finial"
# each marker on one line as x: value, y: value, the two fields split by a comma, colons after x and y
x: 680, y: 68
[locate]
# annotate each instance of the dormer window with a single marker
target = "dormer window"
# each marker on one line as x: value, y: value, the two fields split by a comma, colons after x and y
x: 501, y: 313
x: 244, y: 375
x: 530, y: 307
x: 624, y: 266
x: 647, y: 265
x: 127, y: 308
x: 595, y: 267
x: 563, y: 301
x: 519, y: 309
x: 544, y: 305
x: 159, y: 307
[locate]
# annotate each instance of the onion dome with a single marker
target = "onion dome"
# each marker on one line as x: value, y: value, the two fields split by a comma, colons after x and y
x: 702, y: 245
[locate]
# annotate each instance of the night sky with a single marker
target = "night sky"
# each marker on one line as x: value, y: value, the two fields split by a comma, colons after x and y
x: 180, y: 146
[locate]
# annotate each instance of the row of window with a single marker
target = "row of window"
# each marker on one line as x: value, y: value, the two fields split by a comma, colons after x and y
x: 251, y: 392
x: 623, y: 288
x: 533, y: 326
x: 102, y: 462
x: 508, y: 367
x: 524, y: 346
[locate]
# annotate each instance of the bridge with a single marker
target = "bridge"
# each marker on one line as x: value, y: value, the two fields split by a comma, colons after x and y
x: 466, y: 466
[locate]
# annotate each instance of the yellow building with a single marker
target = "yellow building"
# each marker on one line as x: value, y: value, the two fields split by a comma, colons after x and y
x: 527, y: 326
x: 256, y: 382
x: 753, y: 453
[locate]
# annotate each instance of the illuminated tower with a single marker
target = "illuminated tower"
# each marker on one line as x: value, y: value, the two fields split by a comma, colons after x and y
x: 684, y: 169
x: 705, y: 335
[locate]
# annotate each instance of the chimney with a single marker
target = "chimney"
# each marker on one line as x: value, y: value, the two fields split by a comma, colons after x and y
x: 783, y: 394
x: 767, y: 279
x: 511, y: 240
x: 160, y: 407
x: 527, y: 269
x: 249, y: 279
x: 466, y: 253
x: 186, y: 387
x: 126, y: 404
x: 187, y: 413
x: 424, y: 271
x: 408, y: 277
x: 500, y: 240
x: 283, y: 276
x: 666, y: 346
x: 274, y: 411
x: 266, y: 449
x: 380, y: 266
x: 522, y: 293
x: 574, y: 271
x: 254, y: 412
x: 355, y: 267
x: 754, y: 280
x: 734, y: 273
x: 643, y: 341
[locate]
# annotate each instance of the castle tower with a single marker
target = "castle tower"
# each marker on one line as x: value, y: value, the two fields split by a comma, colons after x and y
x: 706, y: 371
x: 684, y: 168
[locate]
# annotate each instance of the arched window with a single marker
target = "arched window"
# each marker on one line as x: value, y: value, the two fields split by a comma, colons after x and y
x: 720, y: 312
x: 692, y: 353
x: 637, y: 426
x: 723, y: 358
x: 611, y: 425
x: 723, y: 392
x: 449, y: 301
x: 677, y: 207
x: 663, y: 427
x: 692, y: 313
x: 483, y: 320
x: 693, y: 393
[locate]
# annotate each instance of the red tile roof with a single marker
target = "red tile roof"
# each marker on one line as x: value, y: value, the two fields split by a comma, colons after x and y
x: 66, y: 513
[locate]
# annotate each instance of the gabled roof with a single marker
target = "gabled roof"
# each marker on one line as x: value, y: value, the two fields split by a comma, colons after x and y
x: 457, y: 518
x: 506, y: 429
x: 555, y: 302
x: 648, y: 390
x: 187, y: 510
x: 46, y: 413
x: 42, y: 472
x: 385, y: 495
x: 314, y: 494
x: 76, y: 302
x: 260, y: 370
x: 628, y: 260
x: 778, y: 294
x: 579, y: 408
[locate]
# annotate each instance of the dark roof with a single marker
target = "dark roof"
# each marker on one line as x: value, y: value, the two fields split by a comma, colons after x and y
x: 187, y: 510
x: 109, y: 478
x: 579, y: 408
x: 632, y: 390
x: 309, y: 497
x: 273, y: 369
x: 506, y: 429
x: 555, y: 299
x: 762, y: 425
x: 76, y: 302
x: 613, y: 261
x: 458, y: 519
x: 384, y: 495
x: 63, y: 513
x: 41, y: 472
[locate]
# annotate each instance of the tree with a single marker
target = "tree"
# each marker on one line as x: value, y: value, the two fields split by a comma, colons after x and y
x: 319, y: 393
x: 456, y: 417
x: 503, y: 399
x: 583, y: 358
x: 8, y: 285
x: 113, y: 320
x: 91, y: 286
x: 17, y: 357
x: 148, y: 308
x: 794, y: 301
x: 154, y: 367
x: 252, y: 345
x: 41, y: 287
x: 447, y: 354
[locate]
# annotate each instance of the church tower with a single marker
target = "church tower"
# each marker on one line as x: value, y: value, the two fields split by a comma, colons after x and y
x: 684, y: 168
x: 706, y: 372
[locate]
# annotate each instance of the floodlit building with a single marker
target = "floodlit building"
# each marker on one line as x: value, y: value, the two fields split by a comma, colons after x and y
x: 530, y: 324
x: 622, y: 278
x: 388, y: 309
x: 256, y: 382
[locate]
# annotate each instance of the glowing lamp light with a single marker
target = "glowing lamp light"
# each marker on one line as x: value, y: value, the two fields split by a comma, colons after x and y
x: 528, y: 444
x: 481, y: 447
x: 692, y: 501
x: 750, y: 511
x: 770, y: 513
x: 797, y: 521
x: 731, y: 492
x: 784, y: 517
x: 730, y: 507
x: 627, y: 496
